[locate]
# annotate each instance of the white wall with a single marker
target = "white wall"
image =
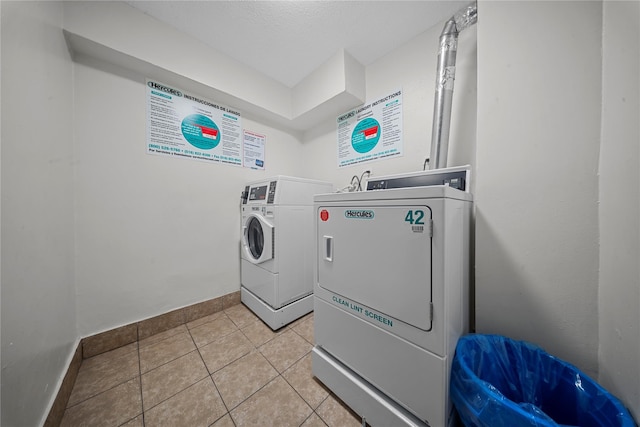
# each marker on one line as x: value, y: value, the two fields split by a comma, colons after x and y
x: 411, y: 68
x: 38, y: 301
x: 539, y: 80
x: 619, y: 291
x: 153, y: 233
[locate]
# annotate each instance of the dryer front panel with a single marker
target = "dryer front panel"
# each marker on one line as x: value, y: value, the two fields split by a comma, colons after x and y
x: 257, y: 238
x: 376, y: 261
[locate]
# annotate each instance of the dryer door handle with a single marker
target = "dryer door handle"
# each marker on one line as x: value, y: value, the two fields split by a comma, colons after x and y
x: 328, y: 248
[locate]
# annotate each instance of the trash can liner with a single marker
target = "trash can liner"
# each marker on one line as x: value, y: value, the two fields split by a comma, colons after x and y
x: 499, y: 382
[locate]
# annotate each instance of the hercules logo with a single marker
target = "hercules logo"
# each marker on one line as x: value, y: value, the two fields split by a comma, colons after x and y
x: 358, y: 214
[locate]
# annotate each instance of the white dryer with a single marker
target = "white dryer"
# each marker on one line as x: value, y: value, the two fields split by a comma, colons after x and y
x: 392, y: 295
x: 277, y: 247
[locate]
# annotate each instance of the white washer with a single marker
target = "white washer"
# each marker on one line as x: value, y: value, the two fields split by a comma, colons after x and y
x: 392, y: 297
x: 277, y: 247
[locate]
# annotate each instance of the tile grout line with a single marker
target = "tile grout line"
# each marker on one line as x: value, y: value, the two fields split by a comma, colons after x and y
x: 124, y: 381
x: 99, y: 393
x: 281, y: 374
x: 218, y: 338
x: 263, y: 386
x: 259, y: 389
x: 211, y: 378
x: 164, y: 364
x: 239, y: 327
x: 188, y: 330
x: 137, y: 351
x: 319, y: 405
x: 313, y: 410
x: 311, y: 415
x: 175, y: 394
x: 297, y: 333
x: 268, y: 361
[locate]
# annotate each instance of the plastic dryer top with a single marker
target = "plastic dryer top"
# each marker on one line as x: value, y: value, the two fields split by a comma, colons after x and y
x: 284, y: 190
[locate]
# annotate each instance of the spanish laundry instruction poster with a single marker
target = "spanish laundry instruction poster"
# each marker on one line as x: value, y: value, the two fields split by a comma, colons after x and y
x: 183, y: 125
x: 372, y: 131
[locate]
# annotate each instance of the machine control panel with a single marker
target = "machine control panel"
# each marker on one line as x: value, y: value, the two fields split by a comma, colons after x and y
x: 261, y: 193
x: 257, y: 193
x: 244, y: 195
x: 272, y: 192
x: 453, y: 177
x: 283, y: 190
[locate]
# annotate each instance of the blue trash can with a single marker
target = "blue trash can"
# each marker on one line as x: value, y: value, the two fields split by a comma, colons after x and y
x: 499, y: 382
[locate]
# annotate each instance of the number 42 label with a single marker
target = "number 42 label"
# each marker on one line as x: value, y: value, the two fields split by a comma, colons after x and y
x: 415, y: 217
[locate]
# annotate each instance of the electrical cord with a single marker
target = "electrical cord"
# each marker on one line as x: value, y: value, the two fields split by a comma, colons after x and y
x: 356, y: 183
x: 360, y: 180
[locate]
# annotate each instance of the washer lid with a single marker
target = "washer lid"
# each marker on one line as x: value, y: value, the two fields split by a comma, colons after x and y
x: 257, y: 238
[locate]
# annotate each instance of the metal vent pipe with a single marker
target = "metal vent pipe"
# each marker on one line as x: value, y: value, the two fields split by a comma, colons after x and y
x: 445, y: 77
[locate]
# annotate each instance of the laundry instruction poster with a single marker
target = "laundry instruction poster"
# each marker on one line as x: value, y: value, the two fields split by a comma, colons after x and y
x: 180, y: 124
x: 253, y: 150
x: 372, y: 131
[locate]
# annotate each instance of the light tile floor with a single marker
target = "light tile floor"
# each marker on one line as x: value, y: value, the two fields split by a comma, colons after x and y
x: 227, y: 369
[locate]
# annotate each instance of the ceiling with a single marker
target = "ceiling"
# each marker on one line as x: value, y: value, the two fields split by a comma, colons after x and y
x: 287, y: 40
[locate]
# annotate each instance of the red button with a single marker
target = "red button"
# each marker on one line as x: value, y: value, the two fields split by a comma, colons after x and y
x: 324, y: 214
